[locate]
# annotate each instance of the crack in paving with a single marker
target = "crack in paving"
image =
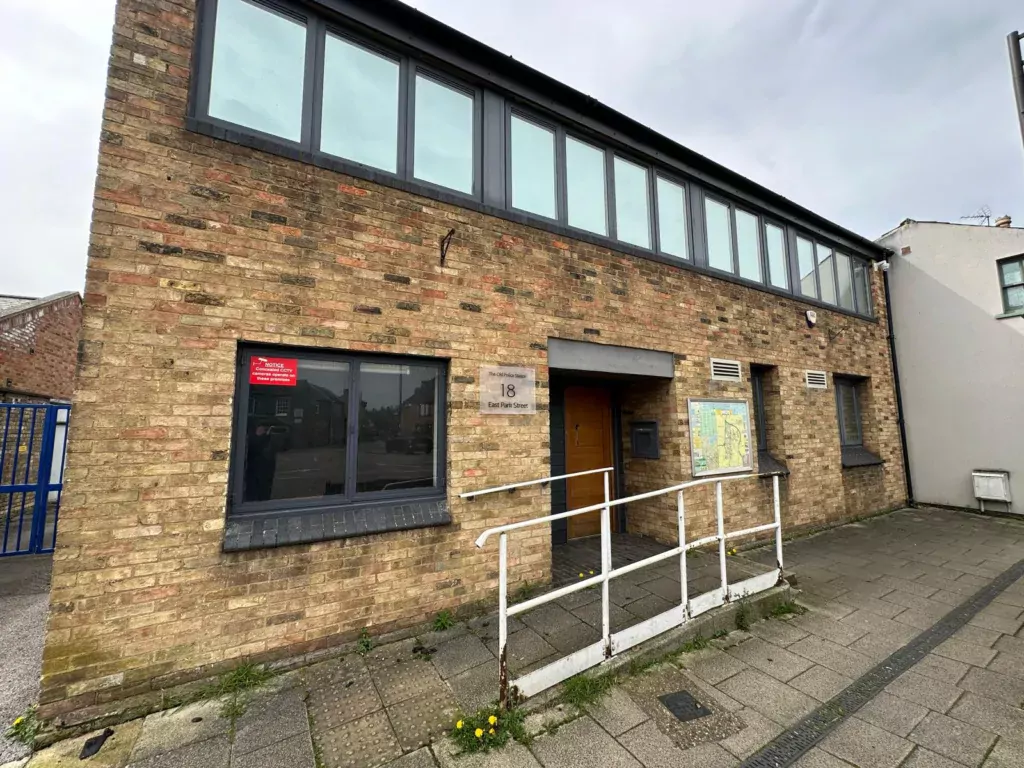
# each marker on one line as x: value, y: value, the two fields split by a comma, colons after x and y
x: 790, y: 745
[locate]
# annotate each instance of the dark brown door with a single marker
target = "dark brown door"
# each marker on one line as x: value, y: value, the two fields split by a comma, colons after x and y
x: 588, y: 445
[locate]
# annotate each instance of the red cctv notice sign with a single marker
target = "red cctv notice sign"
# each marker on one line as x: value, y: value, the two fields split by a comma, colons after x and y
x: 277, y: 371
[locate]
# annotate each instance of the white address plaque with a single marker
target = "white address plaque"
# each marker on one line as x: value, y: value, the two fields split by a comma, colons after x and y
x: 507, y: 389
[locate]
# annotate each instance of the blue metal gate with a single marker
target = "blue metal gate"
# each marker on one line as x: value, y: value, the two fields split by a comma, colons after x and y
x: 32, y: 458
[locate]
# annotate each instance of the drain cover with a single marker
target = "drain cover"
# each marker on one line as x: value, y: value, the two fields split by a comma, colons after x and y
x: 684, y: 706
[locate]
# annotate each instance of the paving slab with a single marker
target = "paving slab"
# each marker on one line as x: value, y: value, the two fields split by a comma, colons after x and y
x: 925, y: 758
x: 817, y: 758
x: 175, y: 728
x: 656, y: 750
x: 407, y: 679
x: 616, y: 712
x: 391, y: 654
x: 1007, y: 753
x: 865, y: 745
x: 711, y: 664
x: 968, y: 653
x: 211, y: 753
x: 933, y: 694
x: 343, y: 699
x: 418, y: 720
x: 1014, y: 645
x: 549, y: 618
x: 591, y: 615
x: 997, y: 623
x: 775, y: 700
x: 269, y: 719
x: 831, y: 629
x: 952, y: 738
x: 758, y: 731
x: 941, y: 668
x: 114, y: 753
x: 512, y: 756
x: 582, y: 744
x: 1008, y: 664
x: 421, y: 758
x: 293, y: 752
x: 878, y: 647
x: 770, y: 659
x: 836, y: 657
x: 460, y: 654
x: 573, y: 637
x: 898, y: 716
x: 368, y: 741
x: 820, y: 682
x: 475, y: 688
x: 989, y: 714
x: 524, y: 647
x: 986, y: 638
x: 994, y: 685
x: 781, y: 632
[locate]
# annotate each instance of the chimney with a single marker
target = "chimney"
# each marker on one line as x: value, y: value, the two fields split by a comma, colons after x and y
x: 1003, y: 221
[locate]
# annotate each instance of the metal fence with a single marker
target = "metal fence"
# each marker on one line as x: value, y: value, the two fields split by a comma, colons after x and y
x: 612, y: 643
x: 32, y: 454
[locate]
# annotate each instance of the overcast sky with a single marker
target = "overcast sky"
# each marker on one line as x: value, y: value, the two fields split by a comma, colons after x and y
x: 867, y: 112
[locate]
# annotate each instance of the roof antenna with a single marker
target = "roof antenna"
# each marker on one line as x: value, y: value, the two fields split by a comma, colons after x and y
x: 982, y: 215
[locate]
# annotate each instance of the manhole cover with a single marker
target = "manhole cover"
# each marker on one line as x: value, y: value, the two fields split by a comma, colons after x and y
x: 684, y: 706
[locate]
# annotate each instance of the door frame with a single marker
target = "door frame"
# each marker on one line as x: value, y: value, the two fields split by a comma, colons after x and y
x: 558, y: 384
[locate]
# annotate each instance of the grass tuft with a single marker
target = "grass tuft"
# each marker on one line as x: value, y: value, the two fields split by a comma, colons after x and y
x: 742, y: 616
x: 234, y: 686
x: 788, y: 608
x: 582, y: 690
x: 699, y: 643
x: 524, y: 591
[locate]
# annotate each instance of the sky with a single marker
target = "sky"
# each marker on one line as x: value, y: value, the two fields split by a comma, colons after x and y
x: 866, y: 112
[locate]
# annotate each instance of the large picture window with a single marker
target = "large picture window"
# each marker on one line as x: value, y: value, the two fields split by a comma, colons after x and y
x: 322, y: 429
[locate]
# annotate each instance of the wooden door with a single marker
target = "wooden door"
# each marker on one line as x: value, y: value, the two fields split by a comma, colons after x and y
x: 588, y: 445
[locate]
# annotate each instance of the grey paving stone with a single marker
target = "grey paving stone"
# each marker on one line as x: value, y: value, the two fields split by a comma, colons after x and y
x: 817, y: 758
x: 342, y: 700
x: 389, y: 655
x: 421, y: 758
x: 549, y: 618
x: 407, y: 679
x: 778, y: 701
x: 711, y: 664
x: 778, y: 631
x: 898, y: 716
x: 1007, y: 753
x: 872, y: 622
x: 210, y: 753
x: 933, y: 694
x: 269, y: 719
x: 986, y: 638
x: 418, y: 720
x: 581, y: 744
x: 771, y: 659
x: 1008, y: 664
x: 616, y: 712
x: 759, y: 731
x: 293, y: 752
x: 512, y: 756
x: 1014, y: 645
x: 486, y: 627
x: 175, y: 728
x: 878, y: 647
x: 989, y: 714
x: 656, y: 750
x: 865, y: 745
x: 997, y: 623
x: 476, y: 688
x: 915, y: 602
x: 947, y: 598
x: 590, y: 615
x: 941, y: 668
x: 985, y: 682
x: 820, y: 682
x: 622, y: 593
x: 873, y: 605
x: 649, y: 607
x: 665, y: 588
x: 952, y: 738
x: 969, y: 653
x: 924, y: 758
x: 821, y: 608
x: 836, y: 657
x: 573, y: 637
x: 830, y: 629
x: 460, y: 654
x: 360, y: 743
x: 905, y: 585
x: 525, y: 647
x: 921, y: 620
x: 1002, y: 610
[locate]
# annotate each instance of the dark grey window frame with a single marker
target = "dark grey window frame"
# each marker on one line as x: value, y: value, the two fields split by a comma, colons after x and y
x: 558, y: 136
x: 760, y: 420
x: 1007, y: 308
x: 351, y: 499
x: 609, y: 202
x: 493, y: 98
x: 762, y: 253
x: 840, y: 383
x: 767, y: 221
x: 649, y: 173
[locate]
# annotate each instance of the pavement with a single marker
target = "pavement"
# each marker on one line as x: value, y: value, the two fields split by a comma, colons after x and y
x: 24, y: 599
x: 870, y: 589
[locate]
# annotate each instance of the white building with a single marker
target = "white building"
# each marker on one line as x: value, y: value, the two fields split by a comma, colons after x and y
x: 958, y: 320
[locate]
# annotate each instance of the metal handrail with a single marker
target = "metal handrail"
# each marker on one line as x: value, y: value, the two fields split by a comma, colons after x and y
x: 610, y: 642
x: 482, y: 538
x: 542, y: 481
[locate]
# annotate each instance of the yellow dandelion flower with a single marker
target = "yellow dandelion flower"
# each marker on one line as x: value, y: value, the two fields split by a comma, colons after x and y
x: 491, y: 731
x: 493, y: 720
x: 591, y: 573
x: 479, y: 733
x: 19, y: 720
x: 459, y: 725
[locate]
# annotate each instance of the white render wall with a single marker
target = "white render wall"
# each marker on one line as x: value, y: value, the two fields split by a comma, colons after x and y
x: 961, y: 369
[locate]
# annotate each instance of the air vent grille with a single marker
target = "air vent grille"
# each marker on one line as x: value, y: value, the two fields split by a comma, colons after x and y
x: 816, y: 379
x: 726, y: 370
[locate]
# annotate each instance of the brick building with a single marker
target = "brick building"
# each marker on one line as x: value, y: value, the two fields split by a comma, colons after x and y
x: 316, y: 227
x: 38, y: 347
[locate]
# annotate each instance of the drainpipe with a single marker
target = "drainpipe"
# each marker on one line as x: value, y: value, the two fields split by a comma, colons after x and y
x: 899, y: 393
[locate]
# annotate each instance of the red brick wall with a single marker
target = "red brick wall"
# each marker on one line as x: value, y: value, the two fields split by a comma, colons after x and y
x: 38, y: 349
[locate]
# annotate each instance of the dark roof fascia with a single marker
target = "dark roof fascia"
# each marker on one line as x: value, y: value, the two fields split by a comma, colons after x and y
x: 428, y: 36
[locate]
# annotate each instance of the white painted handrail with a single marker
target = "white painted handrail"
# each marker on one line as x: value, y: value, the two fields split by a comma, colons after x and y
x: 612, y: 643
x: 542, y: 481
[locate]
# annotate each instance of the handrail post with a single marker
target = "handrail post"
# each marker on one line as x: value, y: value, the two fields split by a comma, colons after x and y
x: 503, y: 621
x: 721, y: 540
x: 778, y: 522
x: 606, y: 567
x: 681, y: 512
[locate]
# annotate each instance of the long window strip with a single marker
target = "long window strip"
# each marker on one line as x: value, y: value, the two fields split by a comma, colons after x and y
x: 447, y: 157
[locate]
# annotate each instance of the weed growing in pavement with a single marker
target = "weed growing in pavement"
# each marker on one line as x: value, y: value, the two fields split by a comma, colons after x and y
x: 789, y: 608
x: 488, y: 729
x: 234, y: 687
x: 25, y: 727
x: 365, y: 642
x: 582, y: 690
x: 742, y: 617
x: 444, y: 620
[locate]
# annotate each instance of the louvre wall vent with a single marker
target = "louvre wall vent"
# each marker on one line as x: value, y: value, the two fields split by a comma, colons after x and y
x: 816, y: 379
x: 726, y: 370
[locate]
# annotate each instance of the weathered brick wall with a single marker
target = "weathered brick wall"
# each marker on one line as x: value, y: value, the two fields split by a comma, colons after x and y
x: 198, y: 244
x: 37, y: 351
